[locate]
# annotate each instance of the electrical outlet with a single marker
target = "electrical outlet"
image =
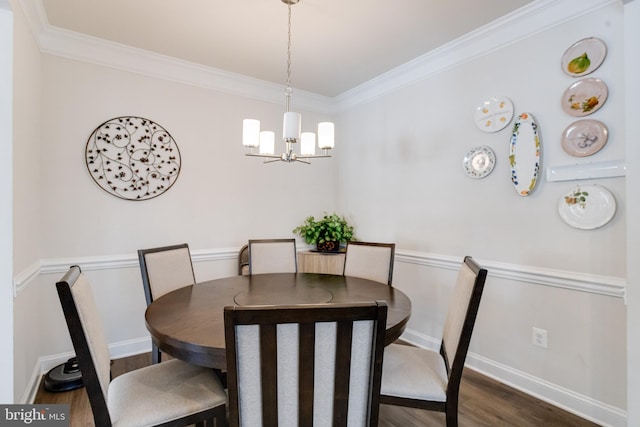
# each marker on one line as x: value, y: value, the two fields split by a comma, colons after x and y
x: 539, y: 337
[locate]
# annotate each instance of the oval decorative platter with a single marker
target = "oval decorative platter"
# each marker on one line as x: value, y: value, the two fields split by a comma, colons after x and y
x: 584, y: 137
x: 494, y: 114
x: 587, y: 207
x: 524, y: 154
x: 584, y: 57
x: 479, y: 162
x: 584, y: 97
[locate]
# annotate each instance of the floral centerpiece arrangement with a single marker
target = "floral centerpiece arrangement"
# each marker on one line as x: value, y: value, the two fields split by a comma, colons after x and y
x: 327, y: 233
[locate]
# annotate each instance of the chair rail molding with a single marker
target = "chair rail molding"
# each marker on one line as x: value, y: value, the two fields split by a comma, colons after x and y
x: 582, y: 282
x: 604, y: 285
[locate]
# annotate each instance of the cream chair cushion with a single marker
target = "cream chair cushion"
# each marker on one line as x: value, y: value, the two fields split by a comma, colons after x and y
x: 414, y: 373
x: 161, y: 393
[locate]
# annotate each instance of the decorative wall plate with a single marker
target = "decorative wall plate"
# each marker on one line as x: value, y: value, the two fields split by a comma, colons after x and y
x: 524, y: 154
x: 584, y: 97
x: 132, y: 158
x: 479, y: 162
x: 584, y: 137
x: 584, y: 57
x: 587, y: 207
x: 494, y: 114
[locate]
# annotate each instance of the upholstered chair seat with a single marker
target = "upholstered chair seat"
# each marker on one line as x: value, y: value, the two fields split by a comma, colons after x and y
x: 414, y: 373
x: 161, y: 392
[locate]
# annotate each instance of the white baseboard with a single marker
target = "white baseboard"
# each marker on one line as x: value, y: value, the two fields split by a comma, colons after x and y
x: 44, y: 364
x: 420, y: 340
x: 583, y: 406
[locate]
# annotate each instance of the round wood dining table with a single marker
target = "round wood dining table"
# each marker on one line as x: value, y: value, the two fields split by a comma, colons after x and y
x: 188, y: 323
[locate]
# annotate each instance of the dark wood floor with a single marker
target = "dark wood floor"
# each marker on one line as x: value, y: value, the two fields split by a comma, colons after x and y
x: 483, y: 402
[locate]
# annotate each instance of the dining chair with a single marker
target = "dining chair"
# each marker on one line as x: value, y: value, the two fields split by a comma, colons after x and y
x: 172, y: 393
x: 304, y: 365
x: 369, y: 260
x: 425, y: 379
x: 164, y: 269
x: 243, y: 261
x: 272, y: 256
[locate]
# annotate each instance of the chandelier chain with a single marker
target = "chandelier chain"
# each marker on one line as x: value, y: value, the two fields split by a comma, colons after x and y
x: 289, y: 50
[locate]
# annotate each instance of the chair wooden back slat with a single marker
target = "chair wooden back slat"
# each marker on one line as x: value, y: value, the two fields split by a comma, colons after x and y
x: 269, y: 369
x: 342, y: 372
x: 306, y: 370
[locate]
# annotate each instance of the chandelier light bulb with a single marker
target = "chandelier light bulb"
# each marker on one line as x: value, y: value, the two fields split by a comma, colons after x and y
x: 267, y: 142
x: 250, y: 132
x: 308, y: 144
x: 326, y: 138
x: 291, y: 126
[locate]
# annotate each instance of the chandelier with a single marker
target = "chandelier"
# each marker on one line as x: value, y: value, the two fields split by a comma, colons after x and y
x: 253, y: 137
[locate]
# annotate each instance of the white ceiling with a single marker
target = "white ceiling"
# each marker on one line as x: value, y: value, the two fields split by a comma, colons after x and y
x: 336, y: 45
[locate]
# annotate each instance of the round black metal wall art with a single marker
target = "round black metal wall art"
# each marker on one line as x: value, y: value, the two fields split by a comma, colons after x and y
x: 132, y: 158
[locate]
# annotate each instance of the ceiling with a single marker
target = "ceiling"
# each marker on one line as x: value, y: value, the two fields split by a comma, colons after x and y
x: 336, y: 45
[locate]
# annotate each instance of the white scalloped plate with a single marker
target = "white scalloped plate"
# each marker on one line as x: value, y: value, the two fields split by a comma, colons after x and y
x: 479, y: 162
x: 587, y: 207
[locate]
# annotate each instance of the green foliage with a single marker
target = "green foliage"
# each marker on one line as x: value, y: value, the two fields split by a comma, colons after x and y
x: 331, y: 228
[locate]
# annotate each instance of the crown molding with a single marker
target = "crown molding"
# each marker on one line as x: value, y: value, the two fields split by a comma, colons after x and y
x: 511, y: 28
x: 81, y: 47
x: 531, y: 19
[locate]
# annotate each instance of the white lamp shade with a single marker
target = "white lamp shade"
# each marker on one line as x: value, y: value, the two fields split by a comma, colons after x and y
x: 250, y: 132
x: 325, y: 135
x: 291, y: 125
x: 307, y: 144
x: 267, y: 142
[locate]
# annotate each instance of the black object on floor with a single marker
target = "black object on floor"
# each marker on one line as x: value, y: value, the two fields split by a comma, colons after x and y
x: 64, y: 377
